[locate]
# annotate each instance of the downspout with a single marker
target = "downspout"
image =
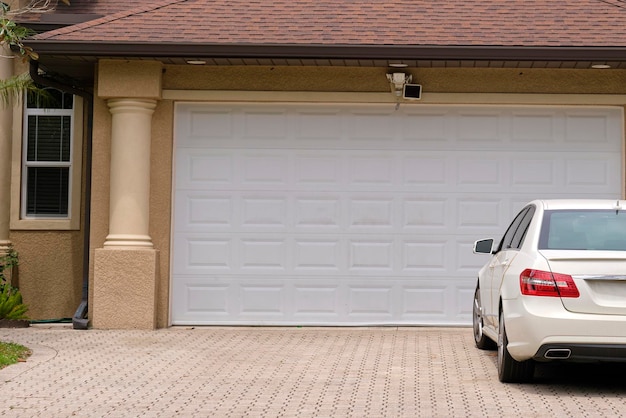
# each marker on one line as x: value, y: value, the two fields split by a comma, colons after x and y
x: 80, y: 319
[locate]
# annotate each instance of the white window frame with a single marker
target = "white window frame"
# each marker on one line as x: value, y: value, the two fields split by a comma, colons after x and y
x: 19, y: 218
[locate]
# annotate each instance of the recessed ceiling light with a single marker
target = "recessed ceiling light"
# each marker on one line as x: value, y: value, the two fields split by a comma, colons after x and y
x: 600, y: 66
x: 196, y: 62
x: 398, y: 65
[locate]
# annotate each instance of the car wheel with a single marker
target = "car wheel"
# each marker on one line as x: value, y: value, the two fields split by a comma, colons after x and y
x: 509, y: 369
x: 482, y: 341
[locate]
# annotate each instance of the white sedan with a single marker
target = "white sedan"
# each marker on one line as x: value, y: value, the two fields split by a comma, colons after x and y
x: 554, y: 288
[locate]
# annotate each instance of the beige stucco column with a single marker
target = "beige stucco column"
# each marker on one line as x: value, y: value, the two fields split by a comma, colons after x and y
x: 126, y: 267
x: 6, y: 127
x: 129, y: 211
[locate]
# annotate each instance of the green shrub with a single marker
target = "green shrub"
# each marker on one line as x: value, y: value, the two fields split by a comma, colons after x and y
x: 11, y: 306
x: 7, y: 262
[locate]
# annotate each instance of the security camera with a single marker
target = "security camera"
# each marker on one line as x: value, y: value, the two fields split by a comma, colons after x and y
x: 412, y: 92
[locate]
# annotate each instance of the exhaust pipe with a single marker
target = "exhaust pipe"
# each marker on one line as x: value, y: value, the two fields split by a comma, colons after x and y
x: 558, y: 353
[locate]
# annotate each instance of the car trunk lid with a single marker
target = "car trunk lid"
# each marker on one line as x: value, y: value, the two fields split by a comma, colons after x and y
x: 600, y: 277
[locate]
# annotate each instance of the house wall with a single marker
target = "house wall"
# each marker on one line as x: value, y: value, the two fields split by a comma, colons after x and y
x: 232, y: 83
x: 50, y: 272
x: 50, y: 268
x: 357, y: 79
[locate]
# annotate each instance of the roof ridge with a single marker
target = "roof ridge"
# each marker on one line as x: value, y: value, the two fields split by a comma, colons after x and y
x: 106, y: 19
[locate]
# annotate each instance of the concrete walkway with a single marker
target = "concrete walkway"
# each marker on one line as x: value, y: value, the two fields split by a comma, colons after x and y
x: 287, y: 372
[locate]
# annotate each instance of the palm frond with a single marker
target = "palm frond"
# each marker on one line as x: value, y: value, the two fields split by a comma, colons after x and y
x: 12, y: 88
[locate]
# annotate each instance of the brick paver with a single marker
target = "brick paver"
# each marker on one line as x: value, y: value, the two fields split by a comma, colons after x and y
x: 287, y: 372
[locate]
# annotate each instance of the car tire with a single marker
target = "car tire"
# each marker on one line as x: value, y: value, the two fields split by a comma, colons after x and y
x: 482, y: 341
x: 509, y: 369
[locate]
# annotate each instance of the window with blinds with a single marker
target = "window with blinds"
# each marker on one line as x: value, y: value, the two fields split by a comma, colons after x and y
x: 47, y: 156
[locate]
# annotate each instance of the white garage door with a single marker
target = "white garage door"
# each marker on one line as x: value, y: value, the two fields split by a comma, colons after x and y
x: 364, y: 214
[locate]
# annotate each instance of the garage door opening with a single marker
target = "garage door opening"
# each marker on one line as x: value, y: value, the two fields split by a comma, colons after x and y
x: 333, y: 214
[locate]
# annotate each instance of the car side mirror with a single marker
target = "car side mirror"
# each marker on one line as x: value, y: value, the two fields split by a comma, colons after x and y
x: 483, y: 246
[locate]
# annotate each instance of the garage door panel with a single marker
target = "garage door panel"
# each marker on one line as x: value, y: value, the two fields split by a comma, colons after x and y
x: 371, y: 254
x: 200, y: 254
x: 425, y: 256
x: 425, y: 214
x: 581, y: 127
x: 264, y: 169
x: 263, y: 212
x: 319, y: 300
x: 426, y: 299
x: 532, y: 172
x: 318, y: 212
x: 333, y: 214
x: 317, y: 169
x: 372, y: 212
x: 591, y: 172
x: 263, y: 124
x: 203, y: 169
x: 313, y: 254
x: 371, y: 170
x: 205, y: 211
x: 263, y: 253
x: 300, y: 255
x: 263, y: 300
x: 480, y: 172
x: 479, y: 128
x: 428, y: 128
x: 478, y: 214
x: 426, y: 170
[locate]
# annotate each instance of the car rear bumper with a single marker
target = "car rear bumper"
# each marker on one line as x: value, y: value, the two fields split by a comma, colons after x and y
x: 581, y: 352
x: 535, y: 323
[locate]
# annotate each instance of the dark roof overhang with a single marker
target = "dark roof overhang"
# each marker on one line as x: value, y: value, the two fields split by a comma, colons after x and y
x: 76, y: 59
x: 409, y: 52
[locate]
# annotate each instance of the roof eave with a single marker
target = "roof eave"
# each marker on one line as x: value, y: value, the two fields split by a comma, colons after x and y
x: 316, y: 51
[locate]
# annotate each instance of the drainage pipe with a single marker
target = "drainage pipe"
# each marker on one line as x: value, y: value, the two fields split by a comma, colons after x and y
x: 80, y: 319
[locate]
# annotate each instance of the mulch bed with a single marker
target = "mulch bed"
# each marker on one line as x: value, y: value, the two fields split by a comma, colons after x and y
x: 14, y: 323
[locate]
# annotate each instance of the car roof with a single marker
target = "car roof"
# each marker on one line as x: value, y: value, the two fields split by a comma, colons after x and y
x: 557, y: 204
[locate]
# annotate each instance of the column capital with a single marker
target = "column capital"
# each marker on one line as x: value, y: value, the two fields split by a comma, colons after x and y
x: 117, y: 106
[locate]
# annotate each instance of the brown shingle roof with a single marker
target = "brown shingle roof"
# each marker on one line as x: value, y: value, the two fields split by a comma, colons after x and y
x: 57, y: 10
x: 511, y: 23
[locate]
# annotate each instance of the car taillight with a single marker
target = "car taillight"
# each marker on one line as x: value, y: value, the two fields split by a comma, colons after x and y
x: 545, y: 283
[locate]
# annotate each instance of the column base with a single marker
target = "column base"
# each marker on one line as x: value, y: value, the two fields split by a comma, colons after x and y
x: 127, y: 240
x: 5, y: 246
x: 125, y: 288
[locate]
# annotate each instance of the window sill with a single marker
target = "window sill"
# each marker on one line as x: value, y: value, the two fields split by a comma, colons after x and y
x: 45, y: 224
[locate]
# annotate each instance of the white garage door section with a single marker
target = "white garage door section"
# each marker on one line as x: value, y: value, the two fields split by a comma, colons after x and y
x: 302, y: 214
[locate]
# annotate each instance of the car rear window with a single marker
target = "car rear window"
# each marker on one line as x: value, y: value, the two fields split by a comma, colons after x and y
x: 603, y: 230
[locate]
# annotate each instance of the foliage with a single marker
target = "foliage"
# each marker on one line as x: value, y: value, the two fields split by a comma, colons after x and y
x: 7, y: 262
x: 11, y: 88
x: 11, y: 306
x: 13, y: 34
x: 11, y: 353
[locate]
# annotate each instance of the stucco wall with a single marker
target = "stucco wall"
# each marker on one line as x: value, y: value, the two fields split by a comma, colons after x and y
x: 50, y: 272
x: 160, y: 200
x: 356, y: 79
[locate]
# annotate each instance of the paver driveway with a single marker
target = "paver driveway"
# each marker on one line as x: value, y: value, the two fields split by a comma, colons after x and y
x: 291, y: 372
